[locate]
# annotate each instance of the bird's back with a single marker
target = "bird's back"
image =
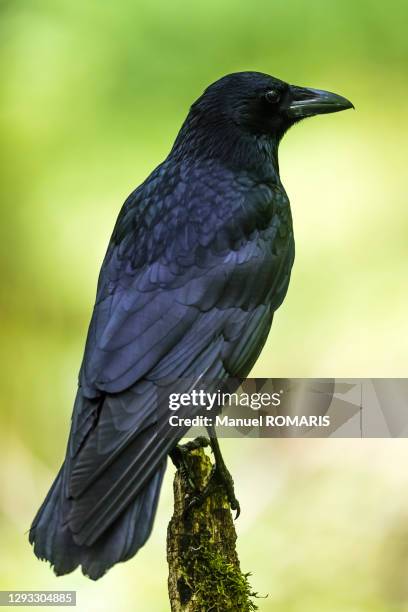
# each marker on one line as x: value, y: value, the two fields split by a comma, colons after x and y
x: 199, y: 260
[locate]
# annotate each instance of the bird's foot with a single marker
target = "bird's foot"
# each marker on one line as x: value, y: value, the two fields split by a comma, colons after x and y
x: 219, y: 477
x: 179, y: 457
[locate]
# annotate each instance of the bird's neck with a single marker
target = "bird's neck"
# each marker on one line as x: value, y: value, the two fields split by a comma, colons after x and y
x: 229, y: 146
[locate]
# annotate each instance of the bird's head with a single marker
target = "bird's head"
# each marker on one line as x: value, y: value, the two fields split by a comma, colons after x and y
x: 246, y: 106
x: 260, y: 104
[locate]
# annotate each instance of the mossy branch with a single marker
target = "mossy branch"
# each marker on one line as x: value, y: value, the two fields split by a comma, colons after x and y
x: 204, y: 570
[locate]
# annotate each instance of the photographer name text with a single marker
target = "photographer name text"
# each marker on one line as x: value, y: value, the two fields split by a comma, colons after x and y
x: 259, y: 421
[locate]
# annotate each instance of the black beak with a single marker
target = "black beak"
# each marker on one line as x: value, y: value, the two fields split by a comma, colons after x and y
x: 307, y: 102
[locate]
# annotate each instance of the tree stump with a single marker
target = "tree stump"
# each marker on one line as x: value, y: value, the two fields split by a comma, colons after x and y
x: 204, y: 569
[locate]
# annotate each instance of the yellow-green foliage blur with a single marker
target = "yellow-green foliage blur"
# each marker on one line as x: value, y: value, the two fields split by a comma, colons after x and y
x: 92, y: 96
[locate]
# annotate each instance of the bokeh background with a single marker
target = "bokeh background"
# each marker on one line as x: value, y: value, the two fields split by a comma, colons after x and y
x: 92, y: 96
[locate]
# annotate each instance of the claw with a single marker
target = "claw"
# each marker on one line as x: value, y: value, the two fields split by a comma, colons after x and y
x: 194, y: 501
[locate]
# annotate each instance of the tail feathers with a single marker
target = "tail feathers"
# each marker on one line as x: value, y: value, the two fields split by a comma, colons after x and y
x: 54, y: 541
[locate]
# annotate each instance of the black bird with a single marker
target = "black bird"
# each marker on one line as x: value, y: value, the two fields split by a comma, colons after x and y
x: 198, y: 262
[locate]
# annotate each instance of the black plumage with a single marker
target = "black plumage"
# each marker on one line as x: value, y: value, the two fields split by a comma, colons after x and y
x: 198, y: 262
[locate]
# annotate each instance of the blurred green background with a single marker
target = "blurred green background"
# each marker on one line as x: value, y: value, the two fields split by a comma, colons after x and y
x: 92, y: 96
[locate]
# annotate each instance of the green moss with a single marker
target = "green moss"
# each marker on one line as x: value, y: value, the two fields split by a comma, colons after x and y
x: 219, y: 585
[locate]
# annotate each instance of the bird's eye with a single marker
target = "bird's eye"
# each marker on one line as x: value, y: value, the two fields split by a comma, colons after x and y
x: 272, y: 96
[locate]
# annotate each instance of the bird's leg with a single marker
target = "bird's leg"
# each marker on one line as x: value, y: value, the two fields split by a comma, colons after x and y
x: 178, y: 457
x: 221, y: 473
x: 220, y: 476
